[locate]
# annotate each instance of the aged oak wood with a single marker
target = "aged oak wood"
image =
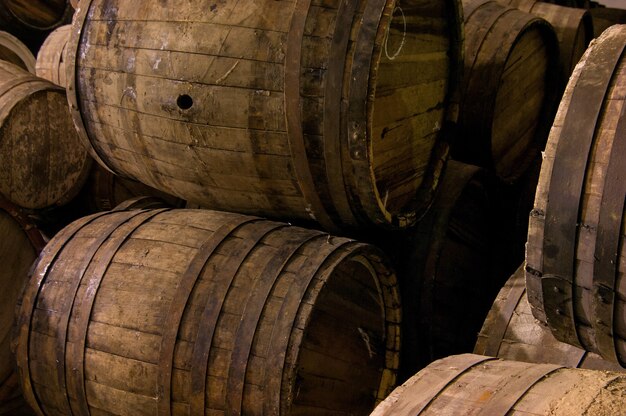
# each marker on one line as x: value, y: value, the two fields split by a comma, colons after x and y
x: 471, y: 384
x: 43, y: 162
x: 509, y: 87
x: 605, y: 17
x: 331, y: 110
x: 197, y: 312
x: 51, y: 56
x: 575, y: 255
x: 14, y: 51
x: 511, y: 332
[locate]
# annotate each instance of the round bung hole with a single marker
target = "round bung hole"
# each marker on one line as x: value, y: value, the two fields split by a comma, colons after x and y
x: 184, y: 102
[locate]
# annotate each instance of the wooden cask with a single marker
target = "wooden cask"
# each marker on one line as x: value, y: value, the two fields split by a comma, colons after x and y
x: 20, y: 243
x: 43, y: 162
x: 51, y: 56
x: 32, y: 20
x: 605, y: 17
x: 511, y: 332
x: 509, y: 87
x: 14, y: 51
x: 327, y: 110
x: 445, y: 286
x: 196, y: 312
x: 573, y: 27
x: 471, y: 384
x: 575, y: 257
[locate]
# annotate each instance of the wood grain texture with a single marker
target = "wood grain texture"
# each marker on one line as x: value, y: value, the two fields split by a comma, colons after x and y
x: 14, y: 51
x: 43, y: 162
x: 511, y: 332
x: 51, y: 56
x: 328, y: 110
x: 584, y: 210
x: 477, y: 385
x: 509, y: 87
x: 204, y: 312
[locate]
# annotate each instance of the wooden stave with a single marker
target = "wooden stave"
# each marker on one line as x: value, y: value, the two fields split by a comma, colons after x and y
x: 341, y: 250
x: 605, y: 17
x: 51, y: 57
x: 332, y: 208
x: 14, y: 51
x: 511, y: 332
x: 18, y: 89
x: 579, y: 323
x: 475, y: 384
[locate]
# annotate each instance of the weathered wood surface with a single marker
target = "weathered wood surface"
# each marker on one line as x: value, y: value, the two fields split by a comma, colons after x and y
x: 444, y: 278
x: 203, y: 312
x: 51, y: 56
x: 43, y: 162
x: 575, y: 253
x: 471, y: 384
x: 14, y: 51
x: 511, y: 332
x: 509, y: 87
x: 20, y: 243
x: 330, y: 110
x: 605, y: 17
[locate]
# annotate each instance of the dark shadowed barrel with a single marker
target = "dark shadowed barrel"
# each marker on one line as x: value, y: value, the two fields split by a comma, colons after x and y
x: 331, y: 110
x: 51, y: 56
x: 43, y: 162
x: 511, y: 332
x: 509, y: 87
x: 605, y: 17
x: 471, y: 384
x: 14, y: 51
x: 149, y: 312
x: 575, y: 256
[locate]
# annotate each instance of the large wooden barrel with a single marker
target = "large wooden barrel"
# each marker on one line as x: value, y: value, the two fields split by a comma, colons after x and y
x: 43, y: 162
x: 511, y: 332
x: 573, y: 27
x: 14, y: 51
x: 575, y: 252
x: 605, y: 17
x: 20, y: 244
x: 328, y: 110
x: 444, y: 274
x: 150, y: 312
x: 471, y: 384
x: 509, y: 87
x: 32, y: 20
x: 51, y: 56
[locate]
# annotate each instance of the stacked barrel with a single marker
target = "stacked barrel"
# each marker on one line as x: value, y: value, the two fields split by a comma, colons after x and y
x: 357, y: 177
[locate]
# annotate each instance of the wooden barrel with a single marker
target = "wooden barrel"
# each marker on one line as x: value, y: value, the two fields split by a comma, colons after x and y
x: 43, y: 162
x: 575, y: 255
x: 51, y: 56
x: 444, y: 279
x: 329, y: 110
x: 509, y: 87
x: 14, y: 51
x: 471, y: 384
x: 511, y: 332
x: 573, y: 27
x: 206, y: 312
x: 142, y: 202
x: 32, y: 20
x: 605, y: 17
x: 20, y: 244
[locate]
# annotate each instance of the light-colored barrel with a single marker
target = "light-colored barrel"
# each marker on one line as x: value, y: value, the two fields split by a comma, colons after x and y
x: 149, y: 312
x: 14, y: 51
x: 51, y: 57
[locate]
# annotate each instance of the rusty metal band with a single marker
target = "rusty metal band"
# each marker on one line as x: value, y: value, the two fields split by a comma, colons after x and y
x: 31, y: 231
x: 361, y: 185
x: 566, y: 188
x: 251, y: 316
x: 516, y: 289
x: 332, y: 111
x: 429, y: 390
x: 512, y: 389
x: 293, y: 115
x: 220, y: 284
x: 609, y: 246
x: 31, y: 293
x: 94, y: 276
x: 74, y: 44
x: 68, y: 301
x: 178, y: 305
x: 281, y: 331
